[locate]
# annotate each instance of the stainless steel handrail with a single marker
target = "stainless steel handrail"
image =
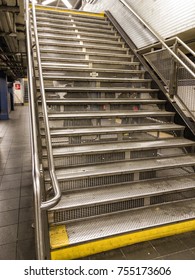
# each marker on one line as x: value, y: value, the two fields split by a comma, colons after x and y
x: 34, y: 147
x: 159, y: 38
x: 57, y: 193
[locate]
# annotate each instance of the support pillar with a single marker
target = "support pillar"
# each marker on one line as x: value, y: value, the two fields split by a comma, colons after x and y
x: 4, y: 114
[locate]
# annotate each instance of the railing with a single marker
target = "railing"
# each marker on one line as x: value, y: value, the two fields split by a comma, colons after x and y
x: 40, y: 205
x: 176, y: 70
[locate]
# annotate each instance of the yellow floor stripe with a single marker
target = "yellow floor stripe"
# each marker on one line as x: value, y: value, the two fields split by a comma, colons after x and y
x: 58, y: 237
x: 74, y: 12
x: 94, y: 247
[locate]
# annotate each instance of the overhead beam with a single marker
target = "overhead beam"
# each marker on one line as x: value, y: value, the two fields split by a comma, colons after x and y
x: 11, y: 9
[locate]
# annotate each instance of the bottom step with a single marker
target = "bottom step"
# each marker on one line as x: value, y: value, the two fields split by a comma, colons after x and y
x: 80, y: 239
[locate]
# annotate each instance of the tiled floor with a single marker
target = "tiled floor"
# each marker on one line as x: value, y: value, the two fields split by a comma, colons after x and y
x: 16, y: 200
x: 16, y: 205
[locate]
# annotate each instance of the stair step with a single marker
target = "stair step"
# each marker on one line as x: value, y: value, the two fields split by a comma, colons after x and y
x: 117, y: 147
x: 115, y: 129
x: 100, y: 201
x: 104, y: 101
x: 76, y: 40
x: 79, y: 28
x: 68, y: 17
x: 64, y: 62
x: 73, y: 33
x: 133, y: 166
x: 74, y: 22
x: 103, y: 114
x: 53, y: 70
x: 125, y: 222
x: 60, y: 12
x: 79, y: 46
x: 102, y: 89
x: 100, y: 79
x: 74, y: 53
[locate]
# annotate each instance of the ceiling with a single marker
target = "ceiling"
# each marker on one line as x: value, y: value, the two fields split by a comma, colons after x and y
x: 12, y: 36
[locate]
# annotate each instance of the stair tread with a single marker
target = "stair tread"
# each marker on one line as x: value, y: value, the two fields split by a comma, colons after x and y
x: 103, y: 101
x: 111, y: 147
x: 129, y: 221
x: 89, y: 29
x: 43, y: 42
x: 113, y: 129
x: 86, y: 69
x: 123, y: 167
x: 68, y: 60
x: 96, y: 89
x: 76, y: 78
x: 125, y: 191
x: 85, y: 53
x: 61, y: 31
x: 87, y: 39
x: 110, y: 114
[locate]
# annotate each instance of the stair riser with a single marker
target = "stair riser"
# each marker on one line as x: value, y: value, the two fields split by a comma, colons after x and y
x: 121, y: 205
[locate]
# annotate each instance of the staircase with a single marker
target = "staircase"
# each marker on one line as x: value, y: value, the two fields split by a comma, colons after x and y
x: 125, y: 170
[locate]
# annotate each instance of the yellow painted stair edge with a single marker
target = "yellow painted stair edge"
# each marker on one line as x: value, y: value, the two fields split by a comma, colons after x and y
x: 62, y: 250
x: 74, y: 12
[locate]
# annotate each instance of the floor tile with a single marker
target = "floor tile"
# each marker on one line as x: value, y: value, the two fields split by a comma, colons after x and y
x: 110, y: 255
x: 8, y: 251
x: 168, y: 245
x: 188, y: 239
x: 9, y: 204
x: 183, y: 255
x: 8, y: 234
x: 8, y: 218
x: 8, y: 194
x: 26, y: 214
x: 140, y: 251
x: 10, y: 185
x: 25, y: 230
x: 26, y: 201
x: 25, y: 250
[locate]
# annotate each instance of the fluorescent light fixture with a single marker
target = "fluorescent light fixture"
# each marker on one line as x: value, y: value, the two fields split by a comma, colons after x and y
x: 67, y: 4
x: 46, y: 2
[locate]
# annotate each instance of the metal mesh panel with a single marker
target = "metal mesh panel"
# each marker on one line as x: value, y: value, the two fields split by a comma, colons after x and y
x: 143, y: 154
x: 96, y: 181
x: 161, y: 61
x: 95, y: 210
x: 93, y: 158
x: 147, y: 175
x: 186, y: 85
x: 172, y: 197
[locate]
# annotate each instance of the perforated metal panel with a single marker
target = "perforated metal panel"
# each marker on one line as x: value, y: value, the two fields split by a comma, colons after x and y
x: 95, y: 210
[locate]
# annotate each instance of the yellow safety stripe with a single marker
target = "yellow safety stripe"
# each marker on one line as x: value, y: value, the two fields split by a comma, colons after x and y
x: 74, y: 12
x: 61, y: 250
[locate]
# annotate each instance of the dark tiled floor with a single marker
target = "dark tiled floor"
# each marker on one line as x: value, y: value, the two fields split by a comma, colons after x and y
x: 16, y: 212
x: 16, y: 205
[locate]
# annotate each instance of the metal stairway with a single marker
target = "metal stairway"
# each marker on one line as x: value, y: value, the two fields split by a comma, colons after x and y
x: 124, y: 168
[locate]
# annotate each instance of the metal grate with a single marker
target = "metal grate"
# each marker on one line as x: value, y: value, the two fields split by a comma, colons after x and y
x: 86, y: 159
x: 143, y: 154
x: 95, y: 210
x: 147, y: 175
x: 95, y: 181
x: 172, y: 197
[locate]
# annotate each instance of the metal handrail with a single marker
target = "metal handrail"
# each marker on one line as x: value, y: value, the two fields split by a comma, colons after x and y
x: 159, y: 38
x: 57, y: 193
x: 34, y: 147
